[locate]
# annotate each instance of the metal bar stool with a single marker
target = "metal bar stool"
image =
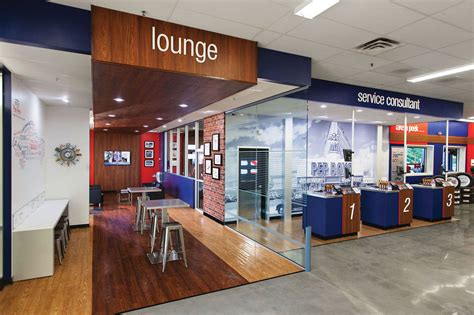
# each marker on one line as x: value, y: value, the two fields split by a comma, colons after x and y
x: 123, y: 196
x: 59, y: 240
x: 171, y: 253
x: 65, y: 219
x: 62, y: 228
x: 155, y: 216
x: 140, y: 219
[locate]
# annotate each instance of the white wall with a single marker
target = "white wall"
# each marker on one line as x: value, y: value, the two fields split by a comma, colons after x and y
x: 28, y: 151
x: 68, y: 125
x: 383, y: 153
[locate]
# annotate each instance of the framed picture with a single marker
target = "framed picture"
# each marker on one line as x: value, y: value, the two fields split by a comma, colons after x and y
x: 216, y: 173
x: 149, y: 144
x: 217, y: 159
x: 149, y: 154
x: 207, y: 149
x: 149, y: 163
x: 215, y: 142
x: 208, y: 166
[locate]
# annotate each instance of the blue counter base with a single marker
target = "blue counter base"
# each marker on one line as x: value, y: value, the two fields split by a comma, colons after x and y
x: 385, y: 227
x: 431, y: 220
x: 326, y: 238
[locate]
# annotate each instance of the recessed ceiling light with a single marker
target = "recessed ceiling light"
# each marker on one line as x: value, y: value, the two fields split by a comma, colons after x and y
x: 137, y: 130
x: 389, y: 114
x: 119, y: 99
x: 183, y: 105
x: 164, y: 126
x: 322, y: 117
x: 106, y: 129
x: 311, y: 8
x: 107, y: 124
x: 111, y: 115
x: 145, y: 126
x: 323, y: 106
x: 180, y: 120
x: 442, y: 73
x: 159, y: 118
x: 65, y: 99
x: 416, y: 117
x: 378, y: 122
x: 359, y: 110
x: 241, y: 114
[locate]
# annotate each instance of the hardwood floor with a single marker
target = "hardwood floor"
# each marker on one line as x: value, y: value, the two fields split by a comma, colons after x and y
x: 69, y: 291
x: 293, y: 230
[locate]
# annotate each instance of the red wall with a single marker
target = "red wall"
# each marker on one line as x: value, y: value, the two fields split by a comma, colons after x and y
x: 470, y: 147
x: 91, y: 157
x: 147, y: 172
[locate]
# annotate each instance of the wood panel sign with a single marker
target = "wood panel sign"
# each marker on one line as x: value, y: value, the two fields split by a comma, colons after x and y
x: 128, y: 39
x: 405, y: 206
x: 350, y: 213
x: 448, y: 202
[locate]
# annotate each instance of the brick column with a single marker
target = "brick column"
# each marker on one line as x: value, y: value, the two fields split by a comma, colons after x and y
x: 214, y: 190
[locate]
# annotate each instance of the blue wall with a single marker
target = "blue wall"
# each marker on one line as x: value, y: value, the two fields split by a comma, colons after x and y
x: 179, y: 187
x: 44, y: 24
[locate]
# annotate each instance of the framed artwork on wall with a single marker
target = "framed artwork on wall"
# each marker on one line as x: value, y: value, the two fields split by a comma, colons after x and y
x: 216, y: 173
x: 207, y: 149
x: 149, y: 144
x: 149, y: 163
x: 217, y: 159
x: 149, y: 154
x: 208, y: 166
x: 215, y: 142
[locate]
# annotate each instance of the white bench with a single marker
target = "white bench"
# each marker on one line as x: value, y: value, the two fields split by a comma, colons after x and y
x: 33, y: 241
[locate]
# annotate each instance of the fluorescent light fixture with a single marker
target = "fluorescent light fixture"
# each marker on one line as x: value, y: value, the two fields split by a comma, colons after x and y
x: 65, y: 99
x: 311, y: 8
x: 183, y: 105
x: 416, y: 117
x: 378, y: 122
x: 359, y: 110
x: 322, y: 117
x: 472, y: 117
x: 111, y: 115
x: 323, y: 106
x: 389, y: 114
x: 209, y: 111
x: 159, y: 118
x: 442, y: 73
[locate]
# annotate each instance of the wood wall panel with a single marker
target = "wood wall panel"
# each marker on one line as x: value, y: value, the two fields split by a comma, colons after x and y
x: 398, y: 137
x: 405, y: 206
x: 349, y: 225
x: 124, y: 38
x: 116, y: 177
x: 448, y: 202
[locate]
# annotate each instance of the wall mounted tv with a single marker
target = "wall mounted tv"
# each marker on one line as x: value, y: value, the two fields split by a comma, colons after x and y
x: 117, y: 158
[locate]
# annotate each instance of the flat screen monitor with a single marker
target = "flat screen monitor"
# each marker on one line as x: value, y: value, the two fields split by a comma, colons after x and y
x: 117, y: 158
x: 347, y: 155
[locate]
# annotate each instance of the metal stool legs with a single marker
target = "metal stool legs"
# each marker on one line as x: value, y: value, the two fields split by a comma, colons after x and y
x: 168, y: 252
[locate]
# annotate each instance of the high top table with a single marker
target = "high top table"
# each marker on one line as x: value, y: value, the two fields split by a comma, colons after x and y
x: 163, y: 205
x: 142, y: 190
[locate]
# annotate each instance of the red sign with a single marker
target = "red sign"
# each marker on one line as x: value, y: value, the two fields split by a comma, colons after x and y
x: 421, y: 128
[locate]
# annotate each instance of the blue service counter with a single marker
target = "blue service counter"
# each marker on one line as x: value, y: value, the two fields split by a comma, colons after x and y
x: 331, y: 216
x: 433, y: 203
x: 386, y: 209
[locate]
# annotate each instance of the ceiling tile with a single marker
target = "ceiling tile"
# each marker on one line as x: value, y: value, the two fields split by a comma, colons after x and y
x: 331, y: 33
x: 357, y: 61
x: 427, y: 6
x: 463, y: 50
x: 330, y: 71
x: 376, y: 78
x: 461, y: 15
x: 434, y: 60
x: 371, y: 15
x: 431, y: 33
x: 265, y: 37
x: 210, y: 23
x: 403, y: 52
x: 400, y: 70
x: 303, y: 47
x: 286, y: 23
x: 258, y: 13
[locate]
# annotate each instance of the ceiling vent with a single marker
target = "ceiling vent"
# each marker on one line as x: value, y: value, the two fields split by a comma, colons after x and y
x: 377, y: 46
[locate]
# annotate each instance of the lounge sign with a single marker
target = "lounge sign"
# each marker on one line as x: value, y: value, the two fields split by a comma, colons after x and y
x: 128, y: 39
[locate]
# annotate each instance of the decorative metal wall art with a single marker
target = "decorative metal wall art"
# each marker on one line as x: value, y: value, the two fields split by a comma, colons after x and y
x: 67, y: 154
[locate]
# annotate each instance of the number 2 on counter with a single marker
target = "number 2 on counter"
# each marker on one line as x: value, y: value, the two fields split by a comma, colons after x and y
x: 352, y: 210
x: 407, y: 204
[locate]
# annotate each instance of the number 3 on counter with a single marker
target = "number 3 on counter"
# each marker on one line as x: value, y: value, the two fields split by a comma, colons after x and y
x: 407, y: 204
x: 352, y: 210
x: 450, y: 200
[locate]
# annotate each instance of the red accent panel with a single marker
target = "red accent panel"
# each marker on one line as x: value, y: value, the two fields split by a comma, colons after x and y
x: 470, y: 147
x: 146, y: 173
x: 91, y: 157
x: 419, y: 129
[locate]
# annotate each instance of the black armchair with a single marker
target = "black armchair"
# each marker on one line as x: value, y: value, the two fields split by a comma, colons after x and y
x: 96, y: 197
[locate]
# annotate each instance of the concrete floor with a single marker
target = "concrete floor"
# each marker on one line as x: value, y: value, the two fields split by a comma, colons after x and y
x: 422, y: 271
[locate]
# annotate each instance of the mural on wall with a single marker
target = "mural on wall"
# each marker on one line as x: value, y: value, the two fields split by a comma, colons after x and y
x: 27, y: 144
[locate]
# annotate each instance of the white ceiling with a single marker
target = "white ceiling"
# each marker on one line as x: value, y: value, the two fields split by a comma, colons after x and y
x: 51, y: 74
x: 435, y: 34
